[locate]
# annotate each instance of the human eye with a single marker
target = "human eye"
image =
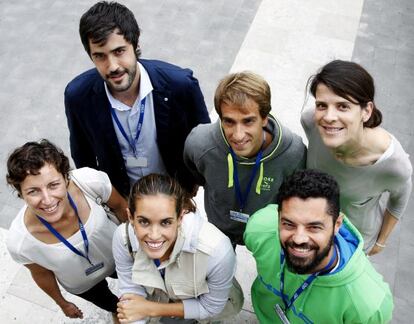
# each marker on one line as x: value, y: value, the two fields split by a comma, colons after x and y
x: 343, y: 106
x: 227, y: 122
x: 31, y: 192
x: 143, y: 222
x: 287, y: 225
x: 98, y: 56
x: 249, y: 121
x: 315, y: 228
x: 54, y: 185
x: 320, y: 105
x: 166, y: 222
x: 119, y: 51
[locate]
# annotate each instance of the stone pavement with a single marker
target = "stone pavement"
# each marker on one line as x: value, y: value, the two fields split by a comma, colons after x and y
x: 284, y: 40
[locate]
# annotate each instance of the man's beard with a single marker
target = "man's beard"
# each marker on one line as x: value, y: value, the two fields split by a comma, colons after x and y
x: 302, y: 265
x: 119, y: 88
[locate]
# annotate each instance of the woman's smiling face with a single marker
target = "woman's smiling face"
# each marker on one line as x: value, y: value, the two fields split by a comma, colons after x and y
x: 339, y: 121
x: 46, y: 193
x: 156, y: 225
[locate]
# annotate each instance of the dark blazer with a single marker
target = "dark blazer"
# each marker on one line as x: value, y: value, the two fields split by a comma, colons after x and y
x: 178, y: 105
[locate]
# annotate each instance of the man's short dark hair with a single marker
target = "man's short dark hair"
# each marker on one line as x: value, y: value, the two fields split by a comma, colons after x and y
x: 310, y: 183
x: 102, y: 19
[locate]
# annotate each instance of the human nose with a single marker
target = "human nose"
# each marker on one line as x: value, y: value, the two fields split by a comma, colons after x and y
x: 154, y: 232
x: 46, y: 197
x: 330, y: 114
x: 112, y: 63
x: 238, y: 133
x: 300, y: 237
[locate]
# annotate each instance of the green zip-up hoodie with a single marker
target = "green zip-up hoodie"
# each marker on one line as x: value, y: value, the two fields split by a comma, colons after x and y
x: 207, y: 156
x: 354, y: 294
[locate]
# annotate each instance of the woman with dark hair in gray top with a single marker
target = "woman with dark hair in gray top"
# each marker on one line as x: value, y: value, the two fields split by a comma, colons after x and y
x: 345, y: 140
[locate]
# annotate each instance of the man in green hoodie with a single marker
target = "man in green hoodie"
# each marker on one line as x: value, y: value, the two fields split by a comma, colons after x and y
x: 310, y: 263
x: 242, y: 159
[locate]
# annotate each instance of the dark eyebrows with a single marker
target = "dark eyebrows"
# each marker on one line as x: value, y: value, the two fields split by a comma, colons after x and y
x: 320, y: 102
x: 118, y: 48
x: 316, y: 224
x: 249, y: 119
x: 227, y: 118
x: 146, y: 219
x: 284, y: 219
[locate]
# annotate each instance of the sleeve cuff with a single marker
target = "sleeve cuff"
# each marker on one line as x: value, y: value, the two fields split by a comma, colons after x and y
x: 191, y: 310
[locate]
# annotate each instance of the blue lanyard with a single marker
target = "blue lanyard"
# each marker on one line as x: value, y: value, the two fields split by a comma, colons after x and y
x: 134, y: 141
x: 240, y: 196
x: 157, y: 264
x: 305, y: 285
x: 66, y: 242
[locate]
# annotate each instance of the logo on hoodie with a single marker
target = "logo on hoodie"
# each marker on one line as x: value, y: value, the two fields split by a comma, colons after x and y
x: 267, y: 183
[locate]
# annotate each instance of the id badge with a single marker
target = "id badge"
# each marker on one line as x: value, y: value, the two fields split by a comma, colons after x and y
x: 94, y: 268
x: 281, y: 314
x: 239, y: 216
x: 136, y: 162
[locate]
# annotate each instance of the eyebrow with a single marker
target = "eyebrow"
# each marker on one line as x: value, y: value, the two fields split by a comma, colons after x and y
x: 145, y: 218
x: 316, y: 223
x: 118, y: 48
x: 337, y: 102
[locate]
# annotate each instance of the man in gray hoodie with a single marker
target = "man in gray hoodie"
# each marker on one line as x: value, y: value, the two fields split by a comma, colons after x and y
x: 242, y: 159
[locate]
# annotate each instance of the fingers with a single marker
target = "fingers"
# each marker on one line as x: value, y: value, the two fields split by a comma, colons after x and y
x: 122, y: 317
x: 126, y: 297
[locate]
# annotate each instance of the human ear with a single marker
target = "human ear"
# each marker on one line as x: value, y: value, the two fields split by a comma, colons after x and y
x: 367, y: 111
x: 130, y: 218
x: 338, y: 223
x: 180, y: 216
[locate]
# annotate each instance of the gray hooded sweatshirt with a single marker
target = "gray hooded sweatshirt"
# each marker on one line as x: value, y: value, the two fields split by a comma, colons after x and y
x: 207, y: 156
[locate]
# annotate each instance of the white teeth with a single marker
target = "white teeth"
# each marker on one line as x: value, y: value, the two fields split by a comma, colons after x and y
x: 154, y: 245
x: 332, y: 130
x: 50, y: 209
x: 301, y: 250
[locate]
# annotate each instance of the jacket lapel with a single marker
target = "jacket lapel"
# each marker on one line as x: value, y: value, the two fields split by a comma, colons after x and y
x: 103, y: 116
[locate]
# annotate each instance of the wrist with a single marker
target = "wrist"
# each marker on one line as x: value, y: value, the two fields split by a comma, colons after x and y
x: 381, y: 245
x: 151, y: 310
x: 62, y: 303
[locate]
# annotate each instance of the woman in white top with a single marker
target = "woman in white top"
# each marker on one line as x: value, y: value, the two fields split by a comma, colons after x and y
x: 345, y: 140
x: 171, y: 262
x: 61, y: 234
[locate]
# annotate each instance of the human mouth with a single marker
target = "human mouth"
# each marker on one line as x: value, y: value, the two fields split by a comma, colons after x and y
x: 154, y: 245
x: 116, y: 76
x: 51, y: 209
x: 300, y: 251
x: 329, y: 130
x: 238, y: 146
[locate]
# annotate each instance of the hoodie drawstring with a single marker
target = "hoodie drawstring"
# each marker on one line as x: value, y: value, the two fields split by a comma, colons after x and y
x: 230, y: 182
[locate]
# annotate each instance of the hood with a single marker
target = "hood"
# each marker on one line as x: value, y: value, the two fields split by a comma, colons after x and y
x: 353, y: 258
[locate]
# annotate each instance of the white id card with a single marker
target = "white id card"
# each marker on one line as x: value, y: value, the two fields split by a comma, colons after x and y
x: 136, y: 162
x: 94, y: 268
x: 281, y: 314
x: 239, y: 216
